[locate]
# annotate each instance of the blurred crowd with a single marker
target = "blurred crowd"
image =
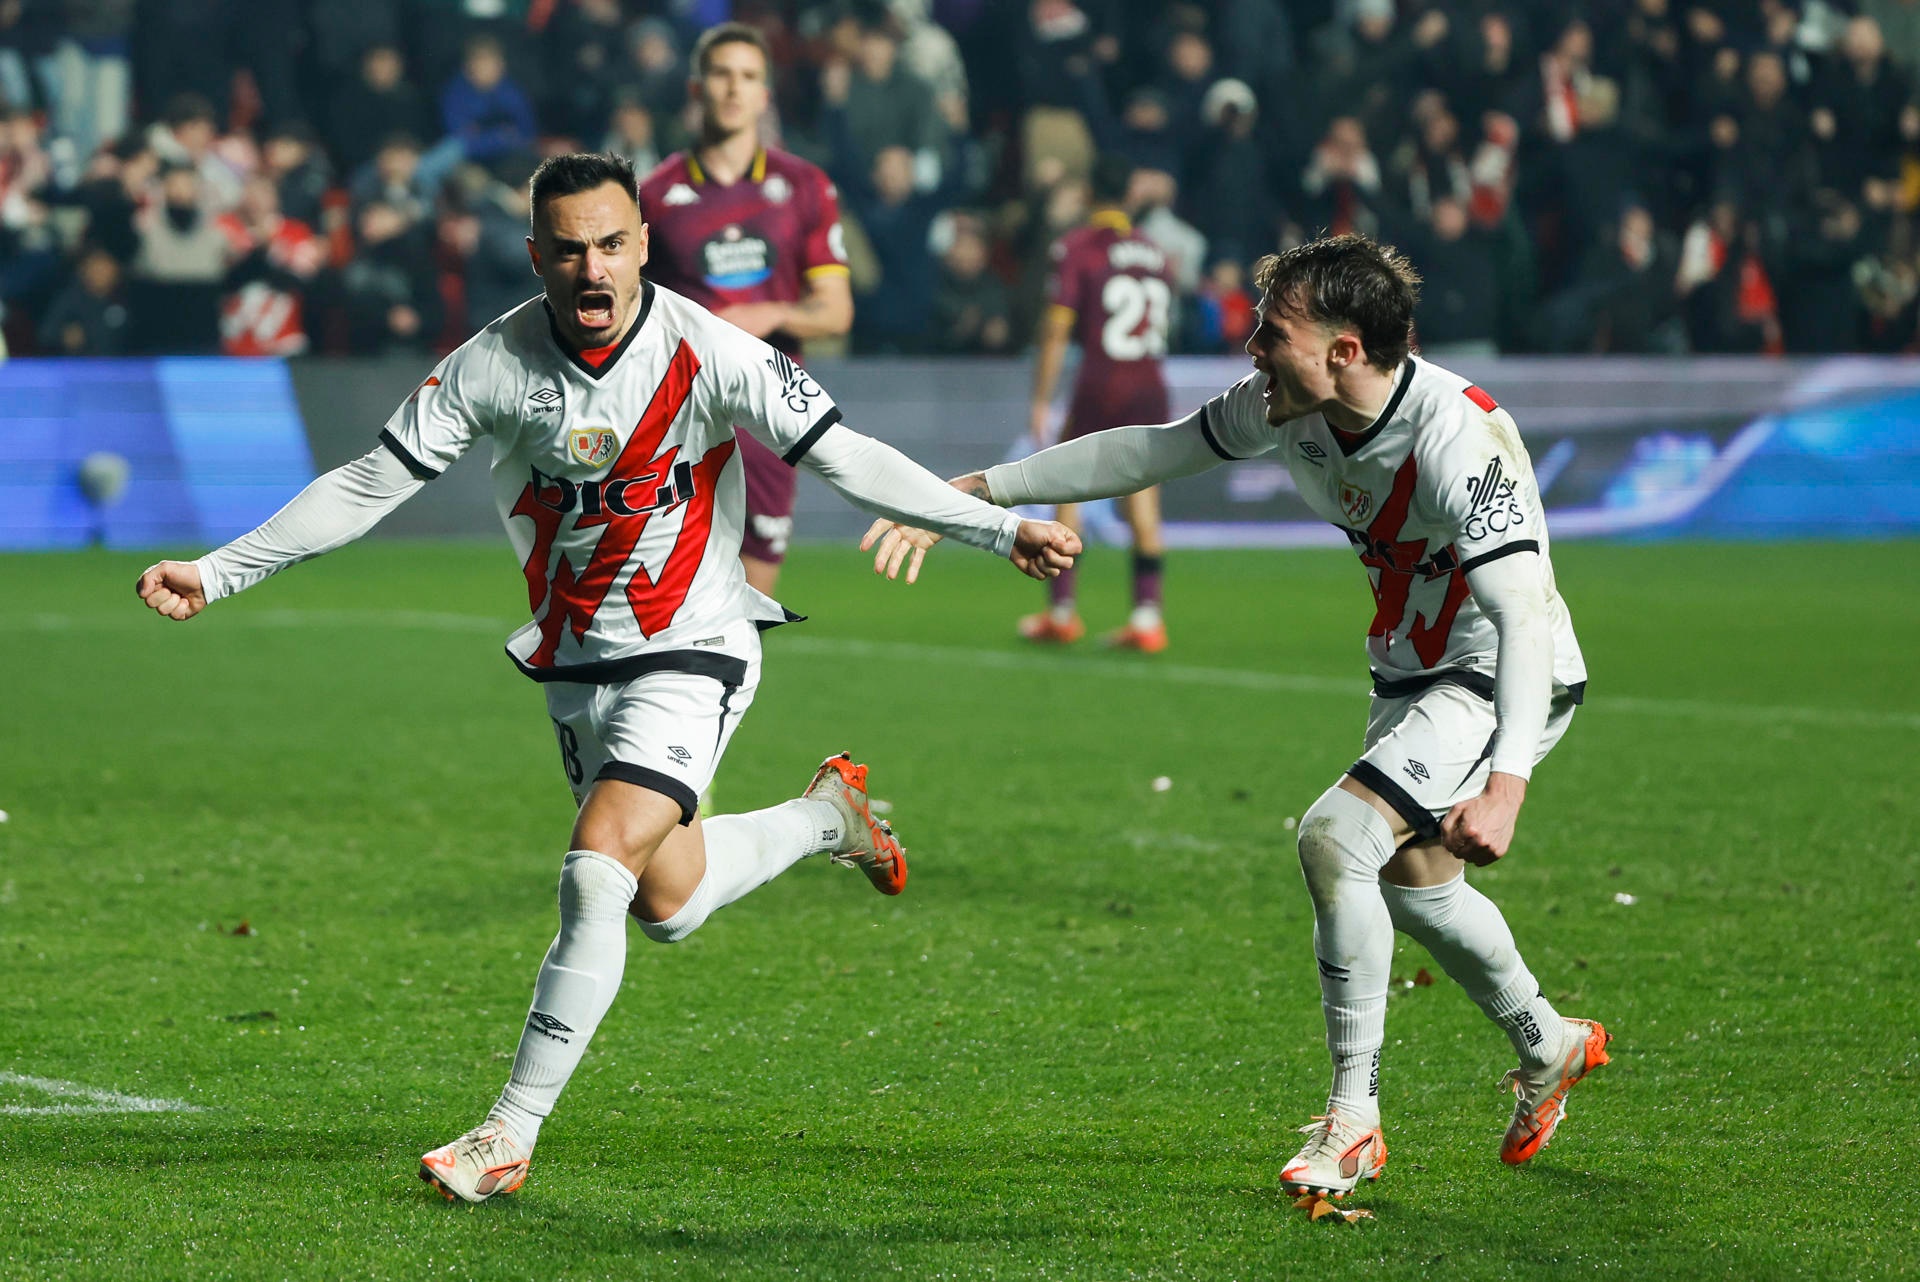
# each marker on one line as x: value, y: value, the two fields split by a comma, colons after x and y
x: 286, y: 176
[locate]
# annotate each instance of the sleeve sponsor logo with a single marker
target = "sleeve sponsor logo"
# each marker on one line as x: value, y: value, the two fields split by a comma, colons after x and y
x: 797, y: 387
x: 1493, y: 503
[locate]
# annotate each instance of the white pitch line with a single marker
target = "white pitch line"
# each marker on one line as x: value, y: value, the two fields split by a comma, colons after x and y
x: 90, y: 1099
x: 1011, y: 661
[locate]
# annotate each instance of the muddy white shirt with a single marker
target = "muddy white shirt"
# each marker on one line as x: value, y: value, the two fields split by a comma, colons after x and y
x: 617, y: 475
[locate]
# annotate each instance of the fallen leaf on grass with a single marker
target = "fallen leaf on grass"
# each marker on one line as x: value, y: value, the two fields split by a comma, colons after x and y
x: 244, y: 928
x: 1422, y: 979
x: 1318, y: 1208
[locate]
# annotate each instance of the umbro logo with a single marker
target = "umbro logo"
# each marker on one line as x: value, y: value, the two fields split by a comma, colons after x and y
x: 541, y: 1022
x: 680, y: 194
x: 546, y: 398
x: 1313, y: 453
x: 1416, y: 771
x: 680, y: 755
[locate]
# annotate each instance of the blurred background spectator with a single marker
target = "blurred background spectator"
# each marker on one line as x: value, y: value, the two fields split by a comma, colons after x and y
x: 283, y: 175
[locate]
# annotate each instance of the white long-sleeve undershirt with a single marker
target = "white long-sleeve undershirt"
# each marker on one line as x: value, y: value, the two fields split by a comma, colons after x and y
x: 1122, y: 460
x: 1511, y: 594
x: 334, y: 510
x: 873, y: 475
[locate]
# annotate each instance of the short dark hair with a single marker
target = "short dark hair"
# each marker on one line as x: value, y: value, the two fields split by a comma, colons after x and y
x: 1112, y: 175
x: 1347, y: 280
x: 729, y: 33
x: 580, y: 171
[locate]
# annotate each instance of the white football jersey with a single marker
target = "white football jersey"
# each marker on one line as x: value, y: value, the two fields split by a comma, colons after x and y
x: 617, y: 474
x: 1438, y: 484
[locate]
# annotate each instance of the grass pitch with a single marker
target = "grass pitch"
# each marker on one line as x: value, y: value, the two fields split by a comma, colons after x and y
x: 1079, y: 1044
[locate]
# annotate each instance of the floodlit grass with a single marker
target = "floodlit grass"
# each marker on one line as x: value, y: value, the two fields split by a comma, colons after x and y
x: 1080, y: 1042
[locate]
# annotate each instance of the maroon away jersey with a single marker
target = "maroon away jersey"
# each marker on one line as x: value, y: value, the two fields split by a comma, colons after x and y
x: 1120, y: 291
x: 754, y: 241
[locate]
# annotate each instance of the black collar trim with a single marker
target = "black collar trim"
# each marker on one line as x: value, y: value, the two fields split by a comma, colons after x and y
x: 1350, y: 446
x: 613, y: 357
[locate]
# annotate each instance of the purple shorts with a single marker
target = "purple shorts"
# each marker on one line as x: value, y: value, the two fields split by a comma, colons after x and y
x: 1088, y: 414
x: 770, y: 487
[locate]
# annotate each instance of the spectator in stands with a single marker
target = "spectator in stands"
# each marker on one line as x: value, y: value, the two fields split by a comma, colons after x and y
x: 498, y: 275
x: 1342, y: 182
x: 88, y: 73
x: 1623, y: 297
x: 1232, y: 189
x: 1765, y: 155
x: 1899, y: 22
x: 112, y: 191
x: 1223, y: 312
x: 388, y: 290
x: 630, y: 135
x: 182, y: 259
x: 189, y: 134
x: 1147, y: 134
x: 658, y: 73
x: 342, y: 35
x: 1189, y: 74
x: 1151, y: 194
x: 586, y: 46
x: 292, y: 158
x: 377, y: 105
x: 394, y: 179
x: 270, y: 261
x: 89, y: 317
x: 1728, y: 297
x: 970, y: 311
x: 1459, y: 310
x: 1856, y: 102
x: 886, y: 105
x: 486, y: 115
x: 897, y: 220
x: 1816, y: 272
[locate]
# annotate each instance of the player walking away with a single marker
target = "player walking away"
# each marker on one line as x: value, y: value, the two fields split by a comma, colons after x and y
x: 1476, y: 672
x: 753, y: 234
x: 609, y: 404
x: 1112, y: 292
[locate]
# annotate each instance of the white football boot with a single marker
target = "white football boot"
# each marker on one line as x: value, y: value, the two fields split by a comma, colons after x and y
x: 1542, y: 1092
x: 1338, y: 1154
x: 479, y: 1164
x: 866, y: 843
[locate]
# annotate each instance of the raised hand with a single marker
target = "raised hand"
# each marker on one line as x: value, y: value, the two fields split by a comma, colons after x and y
x: 173, y: 589
x: 1042, y: 549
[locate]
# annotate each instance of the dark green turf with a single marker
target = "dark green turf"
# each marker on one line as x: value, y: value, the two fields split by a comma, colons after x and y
x: 1076, y: 1047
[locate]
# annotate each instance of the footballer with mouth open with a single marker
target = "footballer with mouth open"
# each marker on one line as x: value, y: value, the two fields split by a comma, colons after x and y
x: 1476, y: 672
x: 610, y: 404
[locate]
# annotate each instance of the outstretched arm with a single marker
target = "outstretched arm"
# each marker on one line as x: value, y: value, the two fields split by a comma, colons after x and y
x: 1124, y: 460
x: 1513, y: 597
x: 335, y: 509
x: 879, y: 478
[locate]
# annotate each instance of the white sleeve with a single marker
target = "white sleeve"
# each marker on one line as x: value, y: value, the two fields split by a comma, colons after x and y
x: 1510, y: 592
x: 445, y: 415
x: 336, y: 509
x: 1126, y: 460
x: 776, y: 400
x: 887, y: 483
x: 1121, y: 460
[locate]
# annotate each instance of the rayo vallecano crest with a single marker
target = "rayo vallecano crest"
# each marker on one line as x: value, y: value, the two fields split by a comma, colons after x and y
x: 594, y: 446
x: 1355, y: 502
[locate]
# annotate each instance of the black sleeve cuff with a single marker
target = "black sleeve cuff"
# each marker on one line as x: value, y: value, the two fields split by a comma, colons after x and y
x: 401, y: 452
x: 1213, y: 442
x: 1505, y: 549
x: 799, y: 451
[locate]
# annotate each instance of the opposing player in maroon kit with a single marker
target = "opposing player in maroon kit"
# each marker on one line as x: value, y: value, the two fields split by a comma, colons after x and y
x: 1110, y: 291
x: 610, y: 408
x: 753, y: 235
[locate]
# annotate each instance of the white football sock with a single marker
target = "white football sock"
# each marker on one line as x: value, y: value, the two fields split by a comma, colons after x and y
x: 578, y: 979
x: 745, y: 852
x: 1466, y: 934
x: 1344, y: 843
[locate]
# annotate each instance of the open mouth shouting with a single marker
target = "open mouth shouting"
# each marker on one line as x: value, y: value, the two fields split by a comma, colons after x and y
x: 593, y: 310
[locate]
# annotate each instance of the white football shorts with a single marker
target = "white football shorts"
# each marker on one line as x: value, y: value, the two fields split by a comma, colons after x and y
x: 665, y: 729
x: 1427, y: 751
